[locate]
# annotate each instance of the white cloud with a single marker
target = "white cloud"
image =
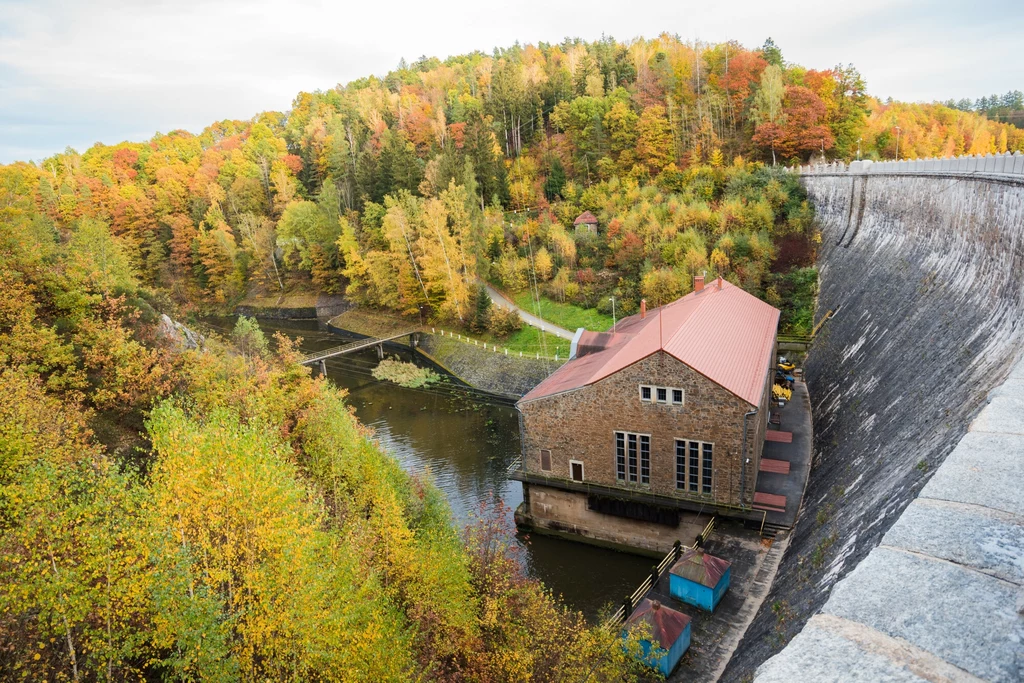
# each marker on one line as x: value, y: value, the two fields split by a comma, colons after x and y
x: 75, y: 73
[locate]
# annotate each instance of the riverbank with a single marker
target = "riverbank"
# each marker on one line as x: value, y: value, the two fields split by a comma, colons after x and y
x: 476, y: 364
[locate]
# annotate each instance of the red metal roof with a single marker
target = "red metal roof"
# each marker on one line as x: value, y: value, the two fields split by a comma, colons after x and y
x: 666, y: 624
x: 585, y: 217
x: 721, y: 332
x: 697, y: 566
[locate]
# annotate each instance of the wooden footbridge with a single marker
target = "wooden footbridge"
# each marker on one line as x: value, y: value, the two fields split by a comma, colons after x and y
x: 320, y: 357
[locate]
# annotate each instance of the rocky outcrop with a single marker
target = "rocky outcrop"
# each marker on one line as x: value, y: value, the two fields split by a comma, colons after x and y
x: 183, y: 337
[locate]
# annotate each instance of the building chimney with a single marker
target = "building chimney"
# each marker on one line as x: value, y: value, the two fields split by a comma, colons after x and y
x: 643, y: 308
x: 698, y: 283
x: 719, y: 281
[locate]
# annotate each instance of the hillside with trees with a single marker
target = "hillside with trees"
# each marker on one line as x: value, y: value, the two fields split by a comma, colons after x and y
x: 206, y: 510
x: 403, y: 191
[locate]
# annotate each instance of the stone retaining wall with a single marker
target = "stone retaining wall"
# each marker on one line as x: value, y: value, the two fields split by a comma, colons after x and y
x: 494, y: 372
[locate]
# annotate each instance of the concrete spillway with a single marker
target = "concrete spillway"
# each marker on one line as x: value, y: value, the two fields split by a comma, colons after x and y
x: 927, y: 275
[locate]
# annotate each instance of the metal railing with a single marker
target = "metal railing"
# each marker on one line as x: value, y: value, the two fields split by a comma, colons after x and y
x: 626, y: 608
x: 504, y: 350
x: 515, y: 466
x: 682, y: 501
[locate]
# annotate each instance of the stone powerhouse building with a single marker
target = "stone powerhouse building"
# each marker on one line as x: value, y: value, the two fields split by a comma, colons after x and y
x: 649, y: 425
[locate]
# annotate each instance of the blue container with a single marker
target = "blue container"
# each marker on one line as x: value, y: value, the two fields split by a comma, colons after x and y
x: 666, y: 635
x: 699, y: 579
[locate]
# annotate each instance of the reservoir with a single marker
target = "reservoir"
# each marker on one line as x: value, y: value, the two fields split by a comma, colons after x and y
x: 464, y: 440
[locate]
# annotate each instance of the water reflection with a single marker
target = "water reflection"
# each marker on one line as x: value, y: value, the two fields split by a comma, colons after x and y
x: 465, y: 440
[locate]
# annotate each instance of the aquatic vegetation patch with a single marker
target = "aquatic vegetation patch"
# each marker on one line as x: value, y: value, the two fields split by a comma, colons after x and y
x: 404, y: 374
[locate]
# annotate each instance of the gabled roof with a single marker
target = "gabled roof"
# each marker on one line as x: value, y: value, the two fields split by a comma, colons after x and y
x: 697, y: 566
x: 721, y: 332
x: 666, y: 624
x: 585, y: 217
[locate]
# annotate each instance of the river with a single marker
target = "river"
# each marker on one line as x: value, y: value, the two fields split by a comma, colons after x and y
x: 464, y: 440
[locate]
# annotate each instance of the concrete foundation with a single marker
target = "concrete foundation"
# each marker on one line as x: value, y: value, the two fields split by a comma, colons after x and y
x: 565, y: 512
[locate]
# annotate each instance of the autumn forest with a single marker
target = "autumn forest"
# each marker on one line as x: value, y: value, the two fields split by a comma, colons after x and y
x: 173, y: 510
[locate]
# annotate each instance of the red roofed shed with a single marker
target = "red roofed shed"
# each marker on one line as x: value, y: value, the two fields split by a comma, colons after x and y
x: 663, y: 631
x: 587, y: 221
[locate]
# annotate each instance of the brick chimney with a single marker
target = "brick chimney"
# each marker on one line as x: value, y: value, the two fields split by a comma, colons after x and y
x: 698, y: 283
x: 719, y: 281
x: 643, y: 308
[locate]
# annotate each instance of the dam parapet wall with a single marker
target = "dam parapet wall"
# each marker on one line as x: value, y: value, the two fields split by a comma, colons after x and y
x: 924, y: 271
x: 996, y: 166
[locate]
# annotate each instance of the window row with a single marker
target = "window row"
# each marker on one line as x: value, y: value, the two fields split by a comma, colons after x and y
x: 575, y: 466
x: 665, y: 395
x: 694, y: 462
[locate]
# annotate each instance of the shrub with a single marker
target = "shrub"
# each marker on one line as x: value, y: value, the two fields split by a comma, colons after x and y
x: 249, y: 338
x: 504, y: 321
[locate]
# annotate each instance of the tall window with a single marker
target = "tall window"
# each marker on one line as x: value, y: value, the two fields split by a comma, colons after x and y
x: 680, y: 464
x: 706, y: 469
x: 633, y: 457
x: 694, y: 466
x: 620, y: 456
x: 545, y: 460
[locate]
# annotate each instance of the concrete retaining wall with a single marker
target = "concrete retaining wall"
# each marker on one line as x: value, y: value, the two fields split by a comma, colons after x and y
x: 926, y: 274
x: 327, y: 306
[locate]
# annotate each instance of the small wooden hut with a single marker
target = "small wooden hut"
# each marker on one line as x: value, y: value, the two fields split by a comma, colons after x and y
x: 668, y: 630
x: 586, y: 222
x: 699, y: 579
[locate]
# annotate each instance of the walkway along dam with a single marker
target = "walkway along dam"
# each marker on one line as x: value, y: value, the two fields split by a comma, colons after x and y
x: 923, y: 264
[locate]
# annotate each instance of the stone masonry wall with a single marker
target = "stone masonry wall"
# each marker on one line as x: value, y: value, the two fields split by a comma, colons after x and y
x: 926, y: 274
x: 580, y: 425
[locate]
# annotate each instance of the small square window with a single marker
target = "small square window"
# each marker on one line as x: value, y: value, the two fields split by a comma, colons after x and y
x: 677, y: 397
x: 662, y: 395
x: 545, y: 460
x: 645, y: 393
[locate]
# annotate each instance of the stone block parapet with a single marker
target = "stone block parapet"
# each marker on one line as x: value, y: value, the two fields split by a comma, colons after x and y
x: 1007, y: 165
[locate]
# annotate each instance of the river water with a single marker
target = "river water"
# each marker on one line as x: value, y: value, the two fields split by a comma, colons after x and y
x: 465, y: 440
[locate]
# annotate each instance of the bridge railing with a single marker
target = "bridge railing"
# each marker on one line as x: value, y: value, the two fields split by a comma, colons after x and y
x: 1005, y: 164
x: 356, y: 345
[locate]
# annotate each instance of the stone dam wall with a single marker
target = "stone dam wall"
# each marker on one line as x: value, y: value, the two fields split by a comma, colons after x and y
x: 926, y: 275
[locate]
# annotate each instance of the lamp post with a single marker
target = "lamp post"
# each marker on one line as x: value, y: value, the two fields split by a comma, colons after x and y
x: 858, y: 148
x: 897, y: 143
x: 612, y: 299
x: 823, y: 150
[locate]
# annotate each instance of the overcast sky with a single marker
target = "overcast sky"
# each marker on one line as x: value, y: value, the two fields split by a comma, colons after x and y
x: 75, y: 72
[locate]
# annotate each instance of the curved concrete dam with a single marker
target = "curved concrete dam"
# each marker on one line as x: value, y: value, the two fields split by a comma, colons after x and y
x: 926, y: 275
